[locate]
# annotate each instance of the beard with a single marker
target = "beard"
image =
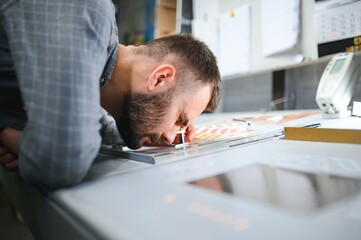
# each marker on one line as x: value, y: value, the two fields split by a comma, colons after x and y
x: 141, y: 114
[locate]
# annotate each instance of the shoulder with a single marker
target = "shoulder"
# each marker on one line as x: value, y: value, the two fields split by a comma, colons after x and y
x: 98, y: 9
x: 97, y: 17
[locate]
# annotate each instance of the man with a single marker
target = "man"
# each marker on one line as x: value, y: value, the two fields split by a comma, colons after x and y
x: 60, y: 59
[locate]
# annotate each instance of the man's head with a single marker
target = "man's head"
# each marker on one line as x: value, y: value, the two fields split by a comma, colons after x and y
x: 172, y: 81
x: 194, y: 61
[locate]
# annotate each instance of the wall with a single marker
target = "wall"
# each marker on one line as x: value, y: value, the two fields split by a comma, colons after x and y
x: 302, y: 83
x: 252, y: 92
x: 247, y: 94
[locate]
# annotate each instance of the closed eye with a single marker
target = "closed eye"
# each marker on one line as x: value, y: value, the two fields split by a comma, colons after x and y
x: 179, y: 121
x: 183, y: 121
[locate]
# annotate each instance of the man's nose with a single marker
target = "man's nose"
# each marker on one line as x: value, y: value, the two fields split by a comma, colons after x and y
x: 169, y: 136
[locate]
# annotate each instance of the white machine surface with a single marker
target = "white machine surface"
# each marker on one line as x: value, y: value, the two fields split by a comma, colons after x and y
x: 269, y: 189
x: 276, y: 189
x: 337, y: 85
x: 281, y: 190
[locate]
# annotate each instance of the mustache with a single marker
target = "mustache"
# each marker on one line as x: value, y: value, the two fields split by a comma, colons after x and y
x: 156, y: 138
x: 153, y: 139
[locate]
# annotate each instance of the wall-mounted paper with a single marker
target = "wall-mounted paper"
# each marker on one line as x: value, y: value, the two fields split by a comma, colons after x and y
x: 235, y: 41
x: 205, y: 9
x: 205, y: 23
x: 337, y: 19
x: 281, y: 25
x: 207, y: 31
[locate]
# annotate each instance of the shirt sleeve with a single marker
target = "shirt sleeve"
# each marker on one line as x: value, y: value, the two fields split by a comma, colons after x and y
x: 59, y: 49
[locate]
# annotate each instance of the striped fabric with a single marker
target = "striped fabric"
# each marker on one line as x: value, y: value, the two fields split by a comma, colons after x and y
x: 57, y: 53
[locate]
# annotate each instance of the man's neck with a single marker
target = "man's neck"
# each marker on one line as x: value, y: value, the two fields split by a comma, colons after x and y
x: 113, y: 92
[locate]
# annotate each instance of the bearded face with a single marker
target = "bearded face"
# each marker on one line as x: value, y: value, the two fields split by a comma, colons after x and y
x: 141, y: 115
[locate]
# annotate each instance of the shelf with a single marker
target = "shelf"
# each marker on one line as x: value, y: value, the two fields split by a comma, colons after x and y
x: 291, y: 66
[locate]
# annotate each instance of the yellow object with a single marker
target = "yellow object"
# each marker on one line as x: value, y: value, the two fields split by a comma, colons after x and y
x: 232, y: 13
x: 323, y: 134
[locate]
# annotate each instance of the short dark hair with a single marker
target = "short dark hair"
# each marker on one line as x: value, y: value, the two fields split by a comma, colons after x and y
x: 193, y: 56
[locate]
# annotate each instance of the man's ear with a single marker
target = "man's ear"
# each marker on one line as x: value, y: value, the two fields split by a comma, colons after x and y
x: 162, y: 76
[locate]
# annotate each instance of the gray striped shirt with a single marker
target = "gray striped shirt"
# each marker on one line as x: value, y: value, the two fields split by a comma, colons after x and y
x: 57, y: 53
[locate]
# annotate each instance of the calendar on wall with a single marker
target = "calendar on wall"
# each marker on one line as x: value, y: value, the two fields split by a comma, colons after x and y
x: 337, y: 26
